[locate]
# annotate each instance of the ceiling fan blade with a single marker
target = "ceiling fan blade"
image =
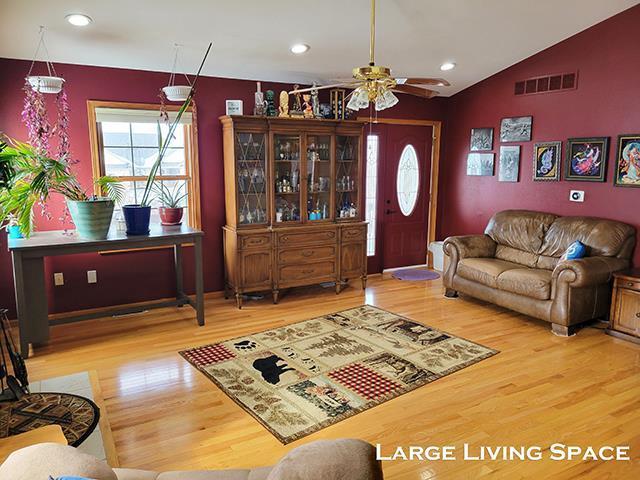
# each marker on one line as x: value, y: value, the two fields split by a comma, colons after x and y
x: 417, y: 91
x: 323, y: 87
x: 439, y: 82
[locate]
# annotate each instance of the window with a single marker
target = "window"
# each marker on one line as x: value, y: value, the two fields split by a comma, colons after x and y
x: 371, y: 192
x: 407, y: 180
x: 126, y: 140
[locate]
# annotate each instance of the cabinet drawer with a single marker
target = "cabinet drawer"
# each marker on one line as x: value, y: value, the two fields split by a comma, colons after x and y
x: 255, y: 241
x: 353, y: 233
x: 630, y: 284
x: 286, y: 239
x: 306, y: 254
x: 319, y: 270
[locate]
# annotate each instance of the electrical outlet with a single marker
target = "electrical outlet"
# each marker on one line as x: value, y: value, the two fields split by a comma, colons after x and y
x: 576, y: 195
x: 58, y: 279
x: 92, y: 276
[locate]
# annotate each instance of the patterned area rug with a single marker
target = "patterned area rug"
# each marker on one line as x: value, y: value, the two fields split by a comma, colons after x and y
x: 78, y: 416
x: 300, y: 378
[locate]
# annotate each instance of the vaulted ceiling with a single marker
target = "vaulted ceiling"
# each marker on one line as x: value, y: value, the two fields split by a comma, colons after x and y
x: 252, y: 37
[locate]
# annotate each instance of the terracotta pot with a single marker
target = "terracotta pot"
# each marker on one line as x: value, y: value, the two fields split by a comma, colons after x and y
x: 171, y: 216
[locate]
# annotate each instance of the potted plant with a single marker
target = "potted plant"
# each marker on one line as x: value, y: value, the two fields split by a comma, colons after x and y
x: 170, y: 200
x: 137, y: 216
x: 37, y: 176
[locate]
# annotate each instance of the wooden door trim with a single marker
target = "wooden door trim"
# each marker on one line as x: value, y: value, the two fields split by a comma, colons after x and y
x: 434, y: 173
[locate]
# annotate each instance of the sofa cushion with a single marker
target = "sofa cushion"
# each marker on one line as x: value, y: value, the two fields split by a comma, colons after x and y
x: 530, y: 282
x: 514, y: 255
x: 520, y: 229
x: 484, y: 270
x: 602, y: 237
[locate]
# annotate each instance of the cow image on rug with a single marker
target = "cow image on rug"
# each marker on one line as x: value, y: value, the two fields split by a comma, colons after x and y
x: 300, y: 378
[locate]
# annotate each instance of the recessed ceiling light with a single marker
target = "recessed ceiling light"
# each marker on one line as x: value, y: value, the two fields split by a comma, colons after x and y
x: 447, y: 66
x: 79, y: 19
x: 300, y: 48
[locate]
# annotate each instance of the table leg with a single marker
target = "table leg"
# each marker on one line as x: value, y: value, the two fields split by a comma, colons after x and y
x: 177, y: 260
x: 31, y: 301
x: 199, y: 281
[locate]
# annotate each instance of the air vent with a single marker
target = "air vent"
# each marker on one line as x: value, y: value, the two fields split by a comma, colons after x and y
x: 547, y: 84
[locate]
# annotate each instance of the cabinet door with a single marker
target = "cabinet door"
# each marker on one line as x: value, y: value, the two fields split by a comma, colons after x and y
x: 352, y: 260
x: 250, y: 164
x: 347, y: 200
x: 628, y: 311
x: 319, y: 169
x: 256, y: 269
x: 287, y: 177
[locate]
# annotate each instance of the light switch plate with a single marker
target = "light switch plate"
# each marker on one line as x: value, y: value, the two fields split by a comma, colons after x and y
x: 576, y: 195
x: 58, y: 279
x: 92, y: 276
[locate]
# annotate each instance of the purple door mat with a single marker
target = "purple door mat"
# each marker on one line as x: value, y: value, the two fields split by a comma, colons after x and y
x: 415, y: 274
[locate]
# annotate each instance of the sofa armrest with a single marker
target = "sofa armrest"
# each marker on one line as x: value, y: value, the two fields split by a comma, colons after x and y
x: 469, y: 246
x: 342, y: 459
x: 588, y: 271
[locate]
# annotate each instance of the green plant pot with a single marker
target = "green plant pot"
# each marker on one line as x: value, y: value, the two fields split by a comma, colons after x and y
x: 92, y: 217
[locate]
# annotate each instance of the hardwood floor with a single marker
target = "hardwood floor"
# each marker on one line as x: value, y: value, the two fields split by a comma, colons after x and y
x: 540, y: 389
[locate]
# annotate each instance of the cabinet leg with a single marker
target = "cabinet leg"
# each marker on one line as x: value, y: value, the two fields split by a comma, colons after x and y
x: 364, y: 282
x: 226, y: 291
x: 239, y: 300
x: 275, y: 294
x: 338, y: 286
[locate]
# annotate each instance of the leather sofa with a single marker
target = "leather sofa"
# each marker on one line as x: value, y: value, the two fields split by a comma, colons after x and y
x: 343, y: 459
x: 516, y: 264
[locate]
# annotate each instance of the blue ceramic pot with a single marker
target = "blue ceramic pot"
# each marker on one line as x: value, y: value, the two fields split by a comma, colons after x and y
x: 137, y: 219
x: 14, y: 231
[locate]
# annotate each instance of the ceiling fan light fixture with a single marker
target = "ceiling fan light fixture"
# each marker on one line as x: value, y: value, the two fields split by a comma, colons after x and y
x: 386, y: 99
x: 79, y: 19
x: 446, y: 66
x: 299, y: 48
x: 359, y: 99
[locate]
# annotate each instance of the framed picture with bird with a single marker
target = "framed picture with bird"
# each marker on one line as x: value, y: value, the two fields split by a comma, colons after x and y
x: 586, y: 159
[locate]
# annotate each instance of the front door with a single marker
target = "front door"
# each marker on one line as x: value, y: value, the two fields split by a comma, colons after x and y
x: 406, y: 183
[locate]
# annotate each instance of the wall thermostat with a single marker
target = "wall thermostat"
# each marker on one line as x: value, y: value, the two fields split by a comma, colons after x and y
x: 576, y: 195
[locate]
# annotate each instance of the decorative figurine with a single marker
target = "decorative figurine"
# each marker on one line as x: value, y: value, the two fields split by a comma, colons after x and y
x: 259, y: 104
x: 284, y: 104
x: 270, y: 103
x: 315, y: 100
x: 308, y: 107
x: 296, y: 111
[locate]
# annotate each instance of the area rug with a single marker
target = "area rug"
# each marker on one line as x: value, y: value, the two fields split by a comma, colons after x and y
x: 78, y: 416
x: 298, y: 379
x: 415, y: 274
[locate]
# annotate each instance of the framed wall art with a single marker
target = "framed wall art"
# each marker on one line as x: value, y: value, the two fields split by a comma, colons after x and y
x: 509, y: 164
x: 546, y: 161
x: 516, y: 129
x: 586, y: 159
x: 481, y: 139
x: 480, y: 164
x: 627, y: 173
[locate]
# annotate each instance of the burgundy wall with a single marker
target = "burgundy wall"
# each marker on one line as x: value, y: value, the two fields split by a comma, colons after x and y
x: 131, y: 277
x: 604, y: 104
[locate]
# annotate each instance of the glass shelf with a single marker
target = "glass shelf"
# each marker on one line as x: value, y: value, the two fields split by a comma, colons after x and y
x: 318, y: 178
x: 287, y: 178
x: 347, y: 199
x: 252, y: 182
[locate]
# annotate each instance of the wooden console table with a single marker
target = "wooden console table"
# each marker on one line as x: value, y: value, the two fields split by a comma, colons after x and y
x: 28, y: 273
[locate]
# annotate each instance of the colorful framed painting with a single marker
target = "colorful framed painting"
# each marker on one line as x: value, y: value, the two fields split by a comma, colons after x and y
x: 516, y: 129
x: 481, y: 139
x: 628, y: 161
x: 509, y: 166
x: 546, y: 161
x: 586, y: 159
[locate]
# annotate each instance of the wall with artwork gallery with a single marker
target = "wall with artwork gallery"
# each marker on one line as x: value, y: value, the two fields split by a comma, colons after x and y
x: 585, y: 159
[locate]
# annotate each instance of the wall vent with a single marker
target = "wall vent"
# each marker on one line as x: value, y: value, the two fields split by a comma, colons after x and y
x: 547, y: 84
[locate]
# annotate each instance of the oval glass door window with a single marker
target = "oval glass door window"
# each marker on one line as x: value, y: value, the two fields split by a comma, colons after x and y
x: 408, y: 180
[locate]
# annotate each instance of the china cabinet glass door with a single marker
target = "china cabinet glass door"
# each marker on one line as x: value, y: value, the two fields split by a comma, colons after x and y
x: 287, y: 177
x: 347, y: 177
x: 250, y: 160
x: 318, y: 171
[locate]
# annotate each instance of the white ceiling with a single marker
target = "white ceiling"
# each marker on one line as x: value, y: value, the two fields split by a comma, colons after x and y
x: 252, y: 37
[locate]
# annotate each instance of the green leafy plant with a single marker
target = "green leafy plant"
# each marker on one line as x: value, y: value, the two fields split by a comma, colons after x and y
x: 170, y: 197
x: 35, y: 177
x: 6, y: 169
x: 155, y: 168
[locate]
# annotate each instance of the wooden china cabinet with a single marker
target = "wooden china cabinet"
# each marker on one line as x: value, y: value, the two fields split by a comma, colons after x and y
x: 293, y: 190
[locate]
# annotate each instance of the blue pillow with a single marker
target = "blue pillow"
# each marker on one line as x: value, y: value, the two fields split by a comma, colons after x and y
x: 70, y: 478
x: 576, y: 250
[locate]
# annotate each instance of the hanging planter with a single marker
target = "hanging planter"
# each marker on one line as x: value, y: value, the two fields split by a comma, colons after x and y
x: 51, y: 83
x: 173, y: 92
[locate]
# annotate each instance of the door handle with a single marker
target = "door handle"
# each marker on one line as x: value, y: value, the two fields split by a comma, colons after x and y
x: 389, y: 211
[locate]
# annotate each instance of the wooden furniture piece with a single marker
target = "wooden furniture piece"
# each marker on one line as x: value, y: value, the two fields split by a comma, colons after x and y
x: 293, y: 203
x: 48, y: 434
x: 625, y: 306
x: 28, y: 273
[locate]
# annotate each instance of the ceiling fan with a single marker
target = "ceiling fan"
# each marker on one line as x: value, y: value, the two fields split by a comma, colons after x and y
x: 374, y: 83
